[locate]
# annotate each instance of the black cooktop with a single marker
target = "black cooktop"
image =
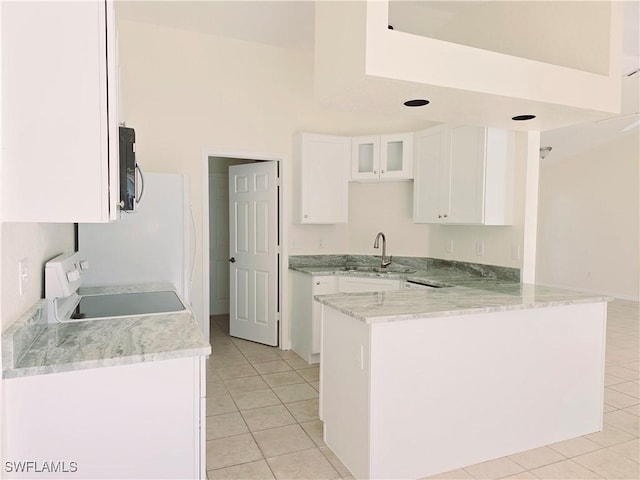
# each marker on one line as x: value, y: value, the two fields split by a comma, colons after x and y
x: 127, y: 304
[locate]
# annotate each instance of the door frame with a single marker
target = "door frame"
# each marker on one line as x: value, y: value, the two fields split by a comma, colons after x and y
x: 284, y: 342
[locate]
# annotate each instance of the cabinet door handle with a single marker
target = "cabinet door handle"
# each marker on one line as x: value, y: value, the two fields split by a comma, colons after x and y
x: 232, y: 260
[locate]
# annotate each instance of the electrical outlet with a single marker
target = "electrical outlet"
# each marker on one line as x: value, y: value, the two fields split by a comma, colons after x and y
x: 23, y: 275
x: 515, y: 252
x: 320, y: 243
x: 480, y: 248
x: 449, y: 246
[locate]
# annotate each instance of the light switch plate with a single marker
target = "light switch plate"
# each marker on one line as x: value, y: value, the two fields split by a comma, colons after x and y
x: 479, y: 248
x: 449, y: 246
x: 23, y: 275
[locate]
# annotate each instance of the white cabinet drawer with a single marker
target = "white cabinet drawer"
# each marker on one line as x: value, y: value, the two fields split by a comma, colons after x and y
x: 365, y: 284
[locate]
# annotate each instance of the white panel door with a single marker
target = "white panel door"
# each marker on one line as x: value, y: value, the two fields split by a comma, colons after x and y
x: 253, y: 248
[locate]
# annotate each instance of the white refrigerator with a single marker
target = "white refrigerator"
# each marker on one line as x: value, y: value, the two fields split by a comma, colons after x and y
x: 151, y: 244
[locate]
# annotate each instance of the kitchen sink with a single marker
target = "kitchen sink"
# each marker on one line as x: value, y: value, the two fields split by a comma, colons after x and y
x: 367, y: 268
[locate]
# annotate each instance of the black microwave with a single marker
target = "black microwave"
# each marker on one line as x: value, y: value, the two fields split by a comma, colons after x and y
x: 128, y: 166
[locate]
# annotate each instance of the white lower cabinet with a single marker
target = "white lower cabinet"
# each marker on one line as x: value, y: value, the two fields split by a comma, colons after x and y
x: 306, y: 324
x: 131, y: 421
x: 306, y: 313
x: 367, y: 284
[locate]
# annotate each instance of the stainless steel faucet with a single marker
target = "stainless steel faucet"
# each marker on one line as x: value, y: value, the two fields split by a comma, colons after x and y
x: 376, y: 244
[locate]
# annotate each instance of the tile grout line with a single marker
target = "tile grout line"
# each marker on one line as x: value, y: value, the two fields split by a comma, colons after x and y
x: 269, y: 387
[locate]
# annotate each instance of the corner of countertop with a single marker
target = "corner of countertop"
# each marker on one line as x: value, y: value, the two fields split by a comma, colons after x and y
x: 19, y: 337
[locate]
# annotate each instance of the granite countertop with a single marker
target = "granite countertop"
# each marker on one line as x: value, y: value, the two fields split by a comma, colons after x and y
x: 33, y: 347
x: 436, y: 276
x: 373, y: 307
x: 433, y: 276
x: 467, y: 289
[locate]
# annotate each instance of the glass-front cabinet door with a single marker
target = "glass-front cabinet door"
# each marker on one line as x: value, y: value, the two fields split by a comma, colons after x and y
x: 365, y: 158
x: 380, y: 157
x: 396, y: 156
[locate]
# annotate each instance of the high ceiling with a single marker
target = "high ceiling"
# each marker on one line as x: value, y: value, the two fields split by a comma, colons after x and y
x: 290, y: 24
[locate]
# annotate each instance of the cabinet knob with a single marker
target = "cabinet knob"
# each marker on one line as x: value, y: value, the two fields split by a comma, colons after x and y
x: 381, y: 171
x: 375, y: 171
x: 317, y: 283
x: 446, y: 215
x: 439, y: 216
x: 306, y: 216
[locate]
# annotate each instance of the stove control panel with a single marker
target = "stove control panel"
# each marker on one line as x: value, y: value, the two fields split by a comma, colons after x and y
x: 63, y: 275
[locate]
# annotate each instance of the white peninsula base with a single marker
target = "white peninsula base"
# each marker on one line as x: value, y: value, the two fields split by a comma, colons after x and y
x: 413, y: 398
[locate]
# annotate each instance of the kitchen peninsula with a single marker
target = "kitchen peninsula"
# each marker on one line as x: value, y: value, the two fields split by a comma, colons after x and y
x: 422, y: 381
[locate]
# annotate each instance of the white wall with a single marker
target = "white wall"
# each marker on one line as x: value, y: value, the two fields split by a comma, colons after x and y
x: 588, y: 223
x: 38, y: 242
x: 387, y: 208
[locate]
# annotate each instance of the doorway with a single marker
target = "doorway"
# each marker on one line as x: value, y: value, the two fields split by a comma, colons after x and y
x: 223, y: 291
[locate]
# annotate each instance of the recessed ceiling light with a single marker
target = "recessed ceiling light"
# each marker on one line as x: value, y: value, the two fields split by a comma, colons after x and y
x: 520, y: 118
x: 418, y: 102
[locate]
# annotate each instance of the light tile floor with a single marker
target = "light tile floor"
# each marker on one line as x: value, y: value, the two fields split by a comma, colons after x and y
x: 262, y: 417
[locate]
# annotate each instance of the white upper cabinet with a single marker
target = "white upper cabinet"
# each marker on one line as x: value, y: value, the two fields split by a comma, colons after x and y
x: 59, y: 109
x: 323, y: 163
x: 464, y: 175
x: 382, y: 157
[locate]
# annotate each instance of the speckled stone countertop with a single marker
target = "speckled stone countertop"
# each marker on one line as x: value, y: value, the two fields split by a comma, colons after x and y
x: 467, y: 289
x: 434, y: 270
x: 373, y: 307
x: 33, y: 347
